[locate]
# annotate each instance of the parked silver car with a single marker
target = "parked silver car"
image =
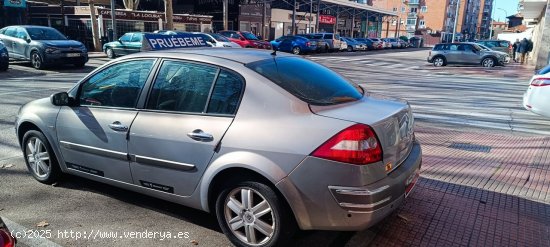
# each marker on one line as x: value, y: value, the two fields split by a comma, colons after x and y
x: 265, y: 141
x: 465, y: 53
x: 42, y: 46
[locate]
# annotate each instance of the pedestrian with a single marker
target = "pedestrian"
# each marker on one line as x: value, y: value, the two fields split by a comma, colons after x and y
x: 515, y: 48
x: 523, y: 47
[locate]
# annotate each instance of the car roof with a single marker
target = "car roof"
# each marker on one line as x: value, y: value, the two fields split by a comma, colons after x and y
x: 243, y: 56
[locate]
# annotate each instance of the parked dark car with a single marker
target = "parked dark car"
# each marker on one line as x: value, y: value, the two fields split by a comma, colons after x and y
x: 42, y: 46
x: 294, y: 44
x: 127, y: 44
x: 497, y: 45
x: 318, y: 39
x: 354, y: 45
x: 367, y: 42
x: 4, y: 57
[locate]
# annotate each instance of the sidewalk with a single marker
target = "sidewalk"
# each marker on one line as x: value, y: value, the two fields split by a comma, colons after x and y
x: 476, y: 189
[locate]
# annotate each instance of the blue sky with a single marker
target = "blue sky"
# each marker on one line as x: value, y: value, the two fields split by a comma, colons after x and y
x: 510, y: 6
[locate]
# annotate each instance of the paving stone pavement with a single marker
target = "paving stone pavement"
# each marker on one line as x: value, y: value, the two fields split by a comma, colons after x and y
x: 476, y: 189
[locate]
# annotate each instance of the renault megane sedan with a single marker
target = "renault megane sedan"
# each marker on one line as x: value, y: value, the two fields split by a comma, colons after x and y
x: 268, y: 142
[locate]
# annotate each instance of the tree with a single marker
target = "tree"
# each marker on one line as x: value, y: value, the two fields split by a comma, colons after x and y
x: 169, y: 15
x: 131, y: 4
x: 95, y: 28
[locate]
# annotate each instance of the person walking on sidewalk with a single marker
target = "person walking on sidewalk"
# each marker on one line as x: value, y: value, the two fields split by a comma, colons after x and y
x: 515, y: 48
x: 523, y: 46
x: 529, y: 48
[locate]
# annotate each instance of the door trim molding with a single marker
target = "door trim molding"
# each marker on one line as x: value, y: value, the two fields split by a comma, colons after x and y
x: 94, y: 150
x: 162, y: 163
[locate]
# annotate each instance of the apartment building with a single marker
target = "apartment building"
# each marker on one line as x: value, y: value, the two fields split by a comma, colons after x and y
x: 437, y: 16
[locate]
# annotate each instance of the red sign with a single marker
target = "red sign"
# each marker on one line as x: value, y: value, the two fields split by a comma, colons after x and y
x: 327, y: 19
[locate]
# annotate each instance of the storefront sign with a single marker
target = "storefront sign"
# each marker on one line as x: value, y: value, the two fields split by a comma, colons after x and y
x: 327, y: 19
x: 163, y: 42
x: 15, y: 3
x: 148, y: 16
x: 301, y: 17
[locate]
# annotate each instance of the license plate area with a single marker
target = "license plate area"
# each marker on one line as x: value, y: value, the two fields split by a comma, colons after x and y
x: 411, y: 182
x: 73, y: 54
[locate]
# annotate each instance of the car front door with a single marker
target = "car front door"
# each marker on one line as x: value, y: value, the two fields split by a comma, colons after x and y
x: 452, y: 54
x: 123, y: 44
x: 93, y: 133
x: 470, y: 54
x: 135, y: 43
x: 189, y: 109
x: 286, y: 45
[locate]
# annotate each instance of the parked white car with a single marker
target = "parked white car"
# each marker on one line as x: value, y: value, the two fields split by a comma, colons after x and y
x: 343, y: 44
x: 536, y: 98
x: 218, y: 40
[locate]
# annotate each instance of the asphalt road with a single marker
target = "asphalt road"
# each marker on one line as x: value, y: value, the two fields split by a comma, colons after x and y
x: 462, y: 98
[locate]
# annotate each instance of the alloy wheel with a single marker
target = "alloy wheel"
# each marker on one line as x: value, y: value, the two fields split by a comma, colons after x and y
x: 36, y: 60
x: 249, y: 216
x: 110, y: 53
x: 296, y: 50
x: 38, y: 157
x: 438, y: 62
x: 488, y: 62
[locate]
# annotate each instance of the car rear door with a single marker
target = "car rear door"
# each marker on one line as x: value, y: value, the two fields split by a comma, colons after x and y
x: 6, y: 36
x: 189, y: 109
x: 19, y: 44
x: 93, y: 133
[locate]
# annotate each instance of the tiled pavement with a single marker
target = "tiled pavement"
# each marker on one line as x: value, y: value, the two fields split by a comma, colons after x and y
x: 476, y: 189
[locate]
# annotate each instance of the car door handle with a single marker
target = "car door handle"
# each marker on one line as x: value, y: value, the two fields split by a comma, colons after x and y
x: 117, y: 126
x: 199, y: 135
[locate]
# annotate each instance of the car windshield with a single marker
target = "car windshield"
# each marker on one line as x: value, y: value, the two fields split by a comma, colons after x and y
x: 220, y: 38
x: 249, y: 36
x: 37, y: 33
x: 307, y: 80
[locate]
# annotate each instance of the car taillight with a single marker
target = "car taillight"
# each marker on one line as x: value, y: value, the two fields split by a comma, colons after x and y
x: 6, y: 240
x: 357, y: 144
x: 308, y: 44
x: 540, y: 82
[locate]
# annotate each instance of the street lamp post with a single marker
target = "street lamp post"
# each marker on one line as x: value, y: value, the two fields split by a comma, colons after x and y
x: 491, y: 24
x: 456, y: 20
x: 505, y: 13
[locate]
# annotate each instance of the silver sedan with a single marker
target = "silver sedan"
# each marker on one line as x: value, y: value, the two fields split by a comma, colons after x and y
x: 268, y: 142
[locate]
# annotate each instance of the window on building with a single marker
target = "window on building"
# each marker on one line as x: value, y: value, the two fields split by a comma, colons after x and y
x: 394, y: 9
x: 422, y: 23
x: 424, y: 9
x: 403, y: 9
x: 411, y: 21
x: 414, y: 10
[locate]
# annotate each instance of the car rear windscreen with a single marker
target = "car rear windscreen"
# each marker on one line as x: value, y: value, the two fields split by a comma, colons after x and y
x: 311, y: 82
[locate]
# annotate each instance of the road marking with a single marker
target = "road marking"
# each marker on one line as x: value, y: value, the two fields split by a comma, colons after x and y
x: 14, y: 227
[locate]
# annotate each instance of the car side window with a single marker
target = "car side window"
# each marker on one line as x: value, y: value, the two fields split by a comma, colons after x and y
x: 182, y: 86
x: 226, y: 94
x: 20, y: 33
x: 136, y: 37
x: 118, y: 85
x: 468, y: 48
x: 453, y: 47
x: 11, y: 31
x: 126, y: 37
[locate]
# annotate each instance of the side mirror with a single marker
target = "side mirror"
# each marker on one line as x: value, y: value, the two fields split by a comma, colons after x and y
x: 28, y: 40
x: 60, y: 99
x: 119, y: 41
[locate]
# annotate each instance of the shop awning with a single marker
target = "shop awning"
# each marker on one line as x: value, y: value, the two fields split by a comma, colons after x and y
x: 360, y: 6
x: 533, y: 9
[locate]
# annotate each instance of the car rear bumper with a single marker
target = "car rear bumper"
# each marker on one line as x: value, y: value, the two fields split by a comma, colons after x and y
x: 325, y: 195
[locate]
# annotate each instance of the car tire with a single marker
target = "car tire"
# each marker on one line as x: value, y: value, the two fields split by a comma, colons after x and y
x: 36, y: 60
x: 110, y: 53
x: 488, y: 62
x: 36, y: 147
x: 350, y: 48
x: 439, y: 61
x: 274, y: 227
x: 5, y: 66
x: 296, y: 50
